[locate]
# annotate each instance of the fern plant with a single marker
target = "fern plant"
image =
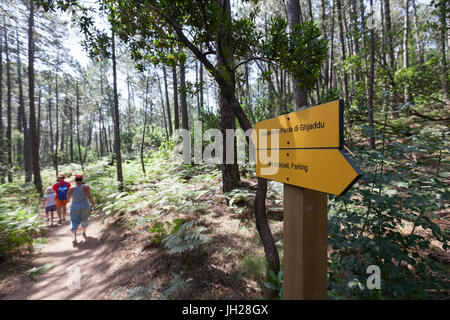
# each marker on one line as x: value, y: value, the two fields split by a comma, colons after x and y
x: 39, y: 270
x: 185, y: 237
x: 150, y: 292
x: 138, y: 293
x: 177, y: 283
x: 238, y: 198
x: 161, y: 230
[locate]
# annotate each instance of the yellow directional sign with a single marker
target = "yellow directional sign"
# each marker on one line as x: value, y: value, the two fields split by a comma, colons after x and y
x: 304, y: 149
x: 317, y: 127
x: 326, y: 170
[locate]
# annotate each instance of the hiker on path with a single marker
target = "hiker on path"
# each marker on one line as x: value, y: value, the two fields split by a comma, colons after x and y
x: 80, y: 210
x: 49, y: 203
x: 61, y: 188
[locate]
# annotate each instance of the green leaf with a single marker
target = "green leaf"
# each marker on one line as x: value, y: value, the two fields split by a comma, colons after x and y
x: 270, y: 285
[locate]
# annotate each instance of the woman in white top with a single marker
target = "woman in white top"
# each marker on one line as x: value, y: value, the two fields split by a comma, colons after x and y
x: 49, y: 203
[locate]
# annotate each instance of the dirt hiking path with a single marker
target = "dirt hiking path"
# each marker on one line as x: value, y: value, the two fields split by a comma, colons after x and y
x: 60, y: 282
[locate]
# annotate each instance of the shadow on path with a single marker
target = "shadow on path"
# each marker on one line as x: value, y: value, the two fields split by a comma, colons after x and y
x: 86, y: 263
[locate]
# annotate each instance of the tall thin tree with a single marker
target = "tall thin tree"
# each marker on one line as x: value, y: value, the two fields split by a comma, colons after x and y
x: 145, y: 124
x: 340, y: 10
x: 443, y: 9
x: 23, y: 117
x: 183, y: 96
x: 33, y: 132
x: 70, y: 110
x: 2, y: 175
x: 391, y: 61
x: 169, y: 117
x: 116, y: 116
x: 162, y: 108
x: 8, y: 110
x: 405, y: 43
x: 418, y: 42
x: 176, y: 112
x: 371, y: 83
x: 294, y: 18
x: 78, y: 127
x: 55, y: 156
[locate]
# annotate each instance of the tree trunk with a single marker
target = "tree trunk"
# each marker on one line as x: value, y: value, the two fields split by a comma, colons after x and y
x: 145, y: 125
x: 331, y: 56
x: 371, y: 82
x: 96, y: 144
x: 63, y: 127
x: 262, y: 225
x: 418, y: 44
x: 247, y: 86
x: 110, y: 143
x: 169, y: 117
x: 55, y: 157
x: 311, y: 17
x: 324, y: 31
x: 355, y: 33
x: 89, y: 138
x: 230, y: 171
x: 162, y: 108
x: 19, y: 141
x: 103, y: 143
x: 175, y: 98
x: 71, y: 133
x: 201, y: 88
x: 116, y: 118
x: 50, y: 121
x: 224, y: 62
x: 405, y: 45
x: 207, y: 94
x: 33, y: 134
x: 443, y: 10
x: 364, y: 41
x: 78, y: 129
x: 197, y: 96
x: 23, y: 118
x: 38, y: 125
x: 2, y: 164
x: 8, y: 111
x: 300, y: 13
x: 183, y: 96
x: 347, y: 35
x: 391, y: 62
x: 343, y: 56
x: 300, y: 95
x: 100, y: 118
x: 128, y: 115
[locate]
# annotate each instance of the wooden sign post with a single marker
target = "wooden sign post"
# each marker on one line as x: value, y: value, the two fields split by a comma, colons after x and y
x: 303, y: 149
x: 305, y: 243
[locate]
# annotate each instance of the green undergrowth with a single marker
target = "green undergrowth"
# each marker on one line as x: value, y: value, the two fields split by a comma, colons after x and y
x: 390, y: 218
x: 20, y: 223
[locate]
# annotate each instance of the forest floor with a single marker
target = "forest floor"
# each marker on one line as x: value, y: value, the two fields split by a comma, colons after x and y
x: 115, y: 259
x: 123, y: 259
x: 90, y: 255
x: 120, y: 259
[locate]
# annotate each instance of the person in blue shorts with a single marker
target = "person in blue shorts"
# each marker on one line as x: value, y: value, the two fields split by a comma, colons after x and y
x: 81, y: 196
x: 49, y: 203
